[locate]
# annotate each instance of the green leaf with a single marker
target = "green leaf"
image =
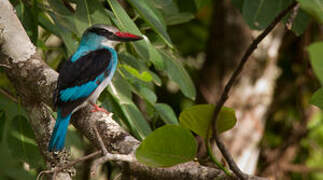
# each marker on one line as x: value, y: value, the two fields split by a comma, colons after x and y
x: 155, y: 56
x: 63, y: 16
x: 22, y: 144
x: 260, y: 13
x: 126, y: 24
x: 17, y: 134
x: 59, y: 30
x: 11, y: 110
x: 202, y: 3
x: 300, y: 23
x: 167, y: 146
x: 28, y: 16
x: 179, y: 18
x: 317, y: 98
x: 138, y: 64
x: 316, y: 53
x: 171, y: 12
x: 177, y: 73
x: 144, y: 76
x: 120, y: 90
x: 148, y: 94
x: 153, y: 18
x: 166, y: 113
x: 11, y: 168
x: 198, y: 118
x: 144, y: 48
x: 88, y: 13
x: 313, y: 7
x: 226, y: 119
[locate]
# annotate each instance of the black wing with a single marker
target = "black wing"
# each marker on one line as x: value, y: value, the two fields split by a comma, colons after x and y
x: 72, y: 74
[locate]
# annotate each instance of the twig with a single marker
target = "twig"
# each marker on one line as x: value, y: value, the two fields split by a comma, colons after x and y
x: 104, y: 150
x: 8, y: 95
x: 292, y: 17
x: 110, y: 157
x: 72, y: 163
x: 5, y: 66
x: 213, y: 158
x: 233, y: 166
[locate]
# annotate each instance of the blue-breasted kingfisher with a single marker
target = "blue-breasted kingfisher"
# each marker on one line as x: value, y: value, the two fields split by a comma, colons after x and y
x: 85, y: 75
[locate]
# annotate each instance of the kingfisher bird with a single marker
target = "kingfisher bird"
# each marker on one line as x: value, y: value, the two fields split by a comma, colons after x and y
x: 85, y: 75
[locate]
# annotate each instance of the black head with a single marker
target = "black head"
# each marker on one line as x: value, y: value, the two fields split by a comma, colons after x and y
x: 112, y: 33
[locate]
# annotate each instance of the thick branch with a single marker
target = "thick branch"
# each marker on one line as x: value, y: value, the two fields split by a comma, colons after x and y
x: 35, y: 82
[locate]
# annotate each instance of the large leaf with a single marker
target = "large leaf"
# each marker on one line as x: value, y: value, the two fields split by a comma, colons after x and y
x: 152, y: 17
x: 11, y: 110
x: 89, y: 12
x: 11, y: 168
x: 139, y: 65
x: 22, y: 144
x: 300, y: 23
x: 167, y: 146
x: 260, y: 13
x: 179, y: 18
x: 18, y: 134
x: 317, y: 98
x: 126, y: 24
x: 120, y: 90
x: 313, y: 7
x: 166, y: 113
x: 178, y: 74
x: 67, y: 36
x: 143, y: 48
x: 28, y: 17
x: 316, y: 53
x: 171, y: 12
x: 198, y: 118
x: 63, y: 16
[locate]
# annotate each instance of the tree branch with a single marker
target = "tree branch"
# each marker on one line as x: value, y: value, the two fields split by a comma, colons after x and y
x: 35, y: 81
x: 228, y: 86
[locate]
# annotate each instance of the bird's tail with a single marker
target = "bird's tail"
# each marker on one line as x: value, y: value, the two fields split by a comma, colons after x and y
x: 57, y: 140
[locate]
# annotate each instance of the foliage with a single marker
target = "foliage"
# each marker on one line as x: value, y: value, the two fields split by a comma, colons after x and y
x: 150, y: 73
x: 313, y: 7
x: 198, y: 118
x: 167, y: 146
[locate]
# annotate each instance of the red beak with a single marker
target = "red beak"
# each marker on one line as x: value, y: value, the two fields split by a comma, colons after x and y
x: 124, y: 36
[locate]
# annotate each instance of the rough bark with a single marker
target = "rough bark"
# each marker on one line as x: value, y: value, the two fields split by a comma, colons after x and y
x: 34, y: 82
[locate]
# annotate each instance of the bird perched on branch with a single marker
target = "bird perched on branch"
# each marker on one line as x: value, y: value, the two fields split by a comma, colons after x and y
x: 85, y: 75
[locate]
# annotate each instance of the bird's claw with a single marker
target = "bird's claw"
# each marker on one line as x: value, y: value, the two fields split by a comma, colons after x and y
x: 97, y: 109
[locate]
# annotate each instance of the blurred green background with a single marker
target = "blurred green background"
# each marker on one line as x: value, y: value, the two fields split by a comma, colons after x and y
x: 159, y: 77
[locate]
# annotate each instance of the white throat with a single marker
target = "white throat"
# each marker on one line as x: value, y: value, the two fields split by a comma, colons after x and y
x: 108, y: 43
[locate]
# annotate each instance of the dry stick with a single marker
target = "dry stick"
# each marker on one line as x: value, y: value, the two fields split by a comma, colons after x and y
x: 110, y: 157
x: 104, y: 150
x: 292, y: 17
x: 5, y: 66
x: 72, y: 163
x: 8, y: 95
x: 233, y: 166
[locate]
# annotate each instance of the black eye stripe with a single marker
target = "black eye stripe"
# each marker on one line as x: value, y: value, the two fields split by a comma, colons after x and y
x: 100, y: 31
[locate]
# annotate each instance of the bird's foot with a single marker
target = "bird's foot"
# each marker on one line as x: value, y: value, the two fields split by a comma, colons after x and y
x: 97, y: 108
